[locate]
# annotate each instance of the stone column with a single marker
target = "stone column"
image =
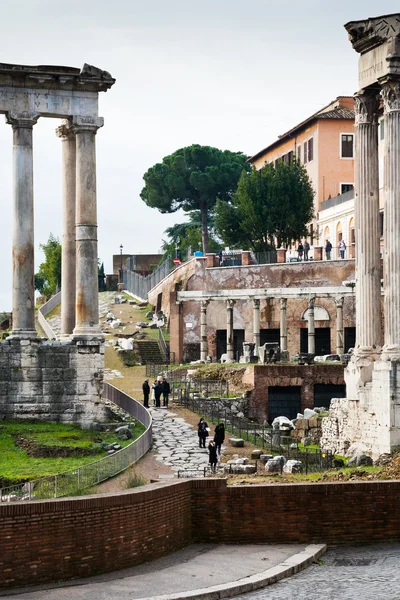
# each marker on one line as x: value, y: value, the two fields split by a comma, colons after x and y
x: 391, y: 100
x: 311, y: 326
x: 283, y: 329
x: 203, y: 330
x: 87, y: 292
x: 339, y: 326
x: 23, y: 293
x: 368, y: 284
x: 229, y: 330
x: 256, y: 326
x: 68, y: 246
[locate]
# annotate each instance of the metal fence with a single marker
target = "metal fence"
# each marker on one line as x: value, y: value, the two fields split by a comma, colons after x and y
x: 87, y: 476
x: 266, y: 258
x: 138, y: 284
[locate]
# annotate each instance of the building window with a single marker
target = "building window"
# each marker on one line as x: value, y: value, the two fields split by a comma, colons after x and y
x: 346, y: 187
x: 381, y: 223
x: 299, y: 153
x: 347, y: 145
x: 310, y: 149
x: 305, y: 153
x: 382, y: 129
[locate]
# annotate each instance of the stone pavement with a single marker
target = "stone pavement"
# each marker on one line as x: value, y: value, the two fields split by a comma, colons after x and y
x: 366, y: 573
x: 196, y: 567
x: 177, y: 443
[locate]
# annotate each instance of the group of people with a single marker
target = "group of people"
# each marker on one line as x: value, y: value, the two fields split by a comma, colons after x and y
x: 341, y: 248
x: 302, y: 250
x: 214, y: 446
x: 159, y: 388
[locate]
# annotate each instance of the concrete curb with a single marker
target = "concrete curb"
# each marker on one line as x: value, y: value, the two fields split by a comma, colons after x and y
x: 289, y: 567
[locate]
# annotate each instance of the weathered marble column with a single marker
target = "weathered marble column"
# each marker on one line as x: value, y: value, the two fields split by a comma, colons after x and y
x: 23, y: 294
x: 391, y: 100
x: 283, y: 328
x: 68, y: 246
x: 256, y: 325
x: 229, y: 330
x: 339, y: 326
x: 311, y: 326
x: 368, y: 284
x: 203, y: 330
x: 87, y: 293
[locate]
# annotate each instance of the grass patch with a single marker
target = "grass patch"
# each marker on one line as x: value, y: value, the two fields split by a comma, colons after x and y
x: 17, y: 466
x: 134, y: 480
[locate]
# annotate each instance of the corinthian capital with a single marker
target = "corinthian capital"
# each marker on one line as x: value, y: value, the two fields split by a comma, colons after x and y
x: 391, y: 96
x: 366, y: 105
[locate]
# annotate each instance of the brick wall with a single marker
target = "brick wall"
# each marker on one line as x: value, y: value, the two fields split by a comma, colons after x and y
x: 60, y: 539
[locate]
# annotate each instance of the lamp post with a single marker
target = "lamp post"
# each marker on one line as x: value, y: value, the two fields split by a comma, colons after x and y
x: 120, y: 270
x: 177, y: 242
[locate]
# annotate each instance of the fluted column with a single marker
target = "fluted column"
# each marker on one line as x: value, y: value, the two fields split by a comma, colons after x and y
x: 283, y: 327
x: 203, y: 330
x: 339, y: 326
x: 87, y: 288
x: 229, y: 330
x: 256, y: 325
x: 391, y: 99
x: 311, y: 326
x: 23, y: 287
x: 68, y: 246
x: 368, y: 285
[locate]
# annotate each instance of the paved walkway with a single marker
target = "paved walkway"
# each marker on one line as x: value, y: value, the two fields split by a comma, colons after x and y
x: 195, y: 567
x: 367, y: 573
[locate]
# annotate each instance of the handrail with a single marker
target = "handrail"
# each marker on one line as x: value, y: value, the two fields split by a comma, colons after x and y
x: 43, y: 311
x: 64, y: 484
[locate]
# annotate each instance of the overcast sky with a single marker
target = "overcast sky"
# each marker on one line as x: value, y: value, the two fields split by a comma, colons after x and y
x: 224, y: 73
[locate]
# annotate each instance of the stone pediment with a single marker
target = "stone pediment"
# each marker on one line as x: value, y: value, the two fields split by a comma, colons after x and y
x: 368, y: 34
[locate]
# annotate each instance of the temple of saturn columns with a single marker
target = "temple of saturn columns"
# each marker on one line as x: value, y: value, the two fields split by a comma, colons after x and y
x: 369, y: 418
x: 41, y: 379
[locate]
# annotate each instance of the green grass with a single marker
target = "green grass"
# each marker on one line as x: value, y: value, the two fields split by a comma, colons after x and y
x: 17, y: 466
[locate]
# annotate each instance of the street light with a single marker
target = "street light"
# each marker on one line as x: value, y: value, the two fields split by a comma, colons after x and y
x: 121, y: 278
x: 120, y: 248
x: 177, y: 242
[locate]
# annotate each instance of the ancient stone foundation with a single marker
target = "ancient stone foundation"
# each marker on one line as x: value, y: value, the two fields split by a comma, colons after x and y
x: 52, y: 381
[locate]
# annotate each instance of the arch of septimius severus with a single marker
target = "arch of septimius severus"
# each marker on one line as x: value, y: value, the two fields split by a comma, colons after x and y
x: 369, y: 419
x: 60, y: 381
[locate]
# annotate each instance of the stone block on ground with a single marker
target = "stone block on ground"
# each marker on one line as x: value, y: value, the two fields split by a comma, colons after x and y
x: 308, y: 413
x: 293, y: 466
x: 236, y: 442
x: 275, y: 464
x: 256, y: 454
x: 360, y: 460
x: 265, y: 457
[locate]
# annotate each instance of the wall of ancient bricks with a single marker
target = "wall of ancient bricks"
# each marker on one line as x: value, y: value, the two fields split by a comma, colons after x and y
x: 53, y: 381
x: 60, y: 539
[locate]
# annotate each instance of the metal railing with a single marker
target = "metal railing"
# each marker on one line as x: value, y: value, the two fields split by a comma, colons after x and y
x: 43, y: 311
x: 87, y: 476
x: 140, y: 285
x: 339, y: 199
x: 266, y: 258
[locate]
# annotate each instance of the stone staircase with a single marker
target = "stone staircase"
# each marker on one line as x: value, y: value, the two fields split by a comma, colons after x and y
x: 150, y: 352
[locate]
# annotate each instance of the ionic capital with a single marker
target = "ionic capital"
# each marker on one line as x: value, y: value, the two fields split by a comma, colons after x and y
x: 339, y: 302
x: 204, y: 304
x: 283, y: 303
x: 19, y: 120
x: 230, y: 304
x: 391, y: 96
x: 311, y: 302
x: 366, y: 108
x: 91, y: 124
x: 256, y: 303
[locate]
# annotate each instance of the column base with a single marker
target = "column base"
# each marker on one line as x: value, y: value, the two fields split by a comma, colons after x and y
x: 23, y: 334
x: 87, y: 334
x: 391, y: 352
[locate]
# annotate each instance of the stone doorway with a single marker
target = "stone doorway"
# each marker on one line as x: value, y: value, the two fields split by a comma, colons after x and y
x: 322, y: 340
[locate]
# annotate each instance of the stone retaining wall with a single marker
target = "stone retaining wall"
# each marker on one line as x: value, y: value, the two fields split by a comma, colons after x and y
x: 47, y: 541
x: 52, y: 381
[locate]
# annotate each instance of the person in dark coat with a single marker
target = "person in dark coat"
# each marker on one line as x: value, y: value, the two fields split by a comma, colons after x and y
x: 146, y: 393
x: 202, y: 430
x: 219, y: 436
x: 157, y: 393
x: 166, y: 390
x: 213, y: 457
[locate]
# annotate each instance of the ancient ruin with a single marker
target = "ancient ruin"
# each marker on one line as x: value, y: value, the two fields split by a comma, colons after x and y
x: 56, y: 381
x: 369, y: 418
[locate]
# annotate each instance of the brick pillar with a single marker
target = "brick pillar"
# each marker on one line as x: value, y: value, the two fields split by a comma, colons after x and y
x: 246, y: 258
x: 176, y: 327
x: 212, y: 260
x: 281, y: 255
x: 317, y: 252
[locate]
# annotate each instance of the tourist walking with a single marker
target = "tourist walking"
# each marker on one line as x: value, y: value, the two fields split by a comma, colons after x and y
x: 202, y: 431
x: 146, y: 393
x: 219, y: 436
x: 213, y: 457
x: 166, y: 390
x: 342, y: 248
x: 153, y: 392
x: 328, y: 250
x: 157, y: 393
x: 300, y: 250
x: 306, y: 247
